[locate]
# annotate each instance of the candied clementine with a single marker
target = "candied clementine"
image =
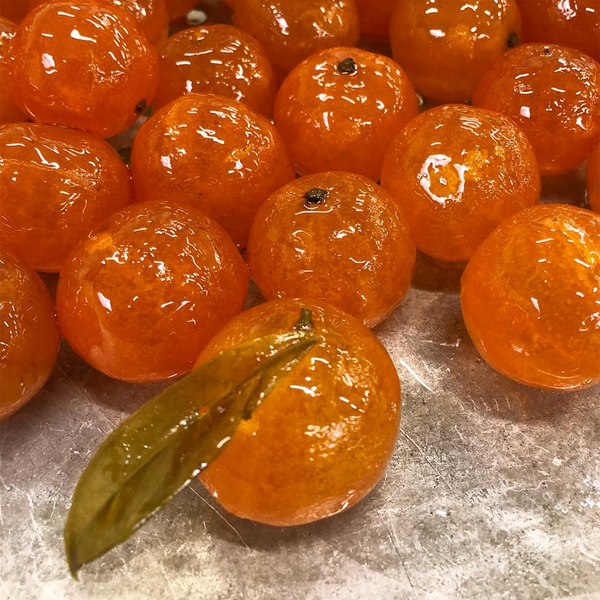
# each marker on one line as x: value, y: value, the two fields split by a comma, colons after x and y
x: 322, y: 439
x: 593, y: 179
x: 9, y: 111
x: 446, y: 46
x: 335, y: 237
x: 340, y: 108
x: 28, y: 334
x: 150, y: 15
x: 14, y: 10
x: 530, y: 298
x: 140, y: 298
x: 83, y: 65
x: 553, y: 93
x: 219, y: 59
x: 290, y: 31
x: 375, y: 16
x: 178, y: 9
x: 212, y: 153
x: 57, y: 185
x: 457, y: 172
x: 574, y: 24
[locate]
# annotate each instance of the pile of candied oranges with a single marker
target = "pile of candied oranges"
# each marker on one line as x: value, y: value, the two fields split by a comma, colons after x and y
x: 276, y: 148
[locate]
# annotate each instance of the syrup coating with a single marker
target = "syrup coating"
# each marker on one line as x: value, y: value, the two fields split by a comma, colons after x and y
x: 593, y: 179
x: 290, y: 31
x: 457, y: 172
x: 83, y: 65
x: 28, y: 334
x: 339, y: 110
x: 214, y: 154
x: 334, y: 237
x: 57, y: 185
x: 573, y: 24
x: 446, y: 46
x: 9, y: 111
x: 553, y: 93
x: 139, y: 299
x: 218, y: 59
x: 531, y: 298
x: 375, y: 17
x: 323, y: 438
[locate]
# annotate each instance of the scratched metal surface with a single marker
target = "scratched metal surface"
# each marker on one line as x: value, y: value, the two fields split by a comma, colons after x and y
x: 493, y: 492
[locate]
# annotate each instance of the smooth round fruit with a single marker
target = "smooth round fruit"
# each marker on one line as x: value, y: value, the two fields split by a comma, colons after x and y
x: 531, y: 298
x: 593, y: 179
x: 150, y: 15
x: 83, y: 65
x: 9, y: 111
x: 28, y: 334
x: 139, y: 299
x: 180, y: 8
x: 57, y: 186
x: 335, y: 237
x: 446, y: 47
x: 219, y: 59
x: 575, y: 24
x: 553, y: 93
x: 14, y: 10
x: 339, y: 110
x: 323, y: 438
x: 457, y: 172
x: 290, y: 31
x: 375, y: 16
x: 214, y: 154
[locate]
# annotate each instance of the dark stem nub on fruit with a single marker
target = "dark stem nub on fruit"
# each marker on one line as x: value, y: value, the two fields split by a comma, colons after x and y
x: 513, y: 39
x: 305, y: 322
x: 347, y: 66
x: 141, y: 107
x: 315, y: 196
x: 546, y: 51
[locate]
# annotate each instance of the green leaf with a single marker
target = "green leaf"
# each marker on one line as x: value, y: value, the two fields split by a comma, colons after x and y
x: 161, y: 447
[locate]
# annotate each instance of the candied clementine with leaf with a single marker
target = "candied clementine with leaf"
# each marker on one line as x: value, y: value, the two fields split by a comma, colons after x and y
x: 28, y: 334
x: 573, y: 24
x: 323, y: 437
x: 553, y: 93
x: 530, y: 298
x: 339, y: 110
x: 290, y: 31
x: 218, y: 59
x: 57, y: 185
x: 83, y: 65
x: 141, y: 297
x: 9, y: 111
x: 593, y: 179
x: 335, y: 237
x: 446, y: 46
x: 214, y: 154
x: 457, y: 172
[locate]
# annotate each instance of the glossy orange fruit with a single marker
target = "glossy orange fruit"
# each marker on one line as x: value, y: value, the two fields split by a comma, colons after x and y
x: 9, y: 111
x: 83, y: 65
x: 375, y: 16
x: 446, y: 46
x: 214, y: 154
x: 140, y: 298
x: 14, y: 10
x: 457, y: 172
x: 340, y: 108
x: 335, y: 237
x: 180, y: 8
x: 290, y: 31
x: 553, y: 93
x: 151, y: 15
x: 57, y: 185
x: 593, y: 179
x: 28, y: 334
x: 219, y: 59
x: 530, y: 298
x: 323, y: 438
x: 573, y: 23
